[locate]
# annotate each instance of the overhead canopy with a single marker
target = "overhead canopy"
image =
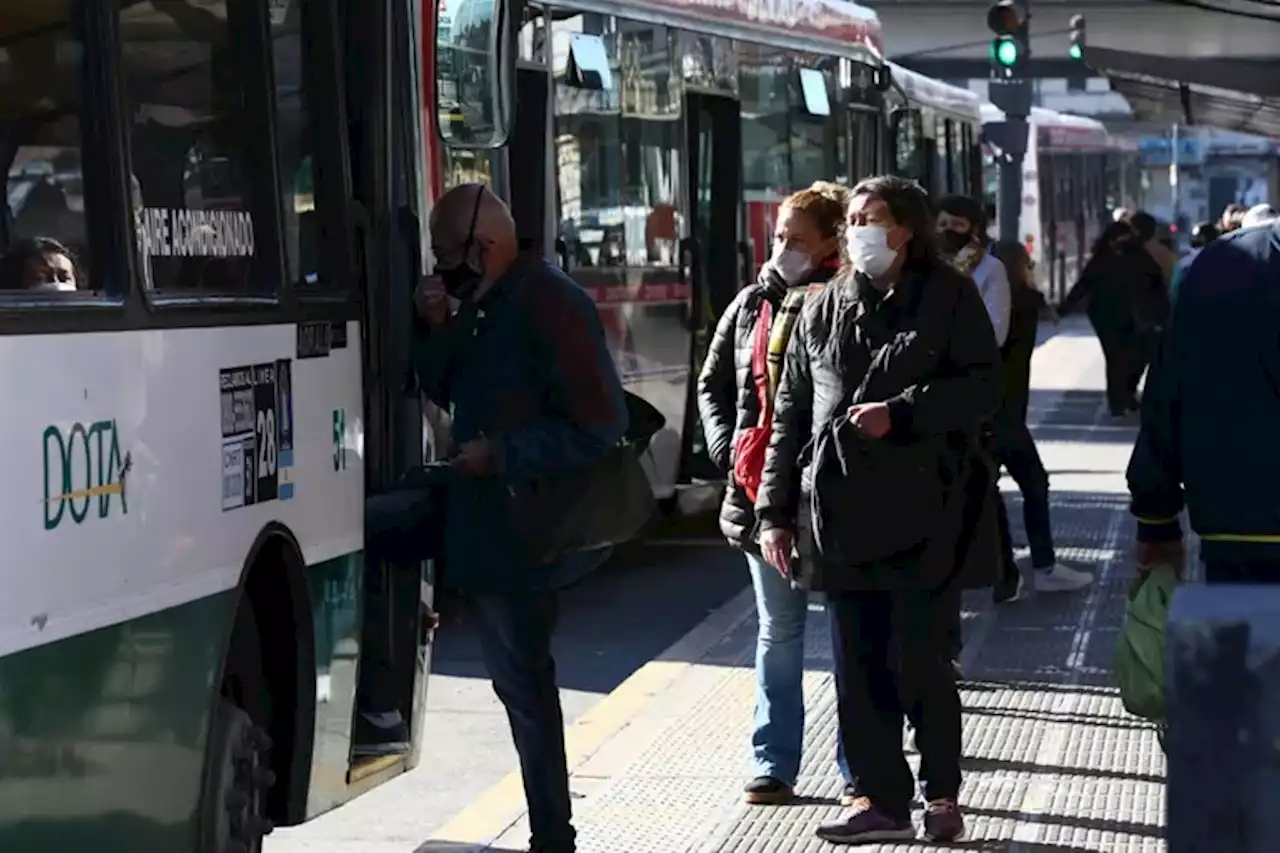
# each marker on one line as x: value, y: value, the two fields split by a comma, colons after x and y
x: 1234, y: 94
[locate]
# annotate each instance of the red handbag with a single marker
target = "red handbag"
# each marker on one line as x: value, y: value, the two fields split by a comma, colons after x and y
x: 750, y: 445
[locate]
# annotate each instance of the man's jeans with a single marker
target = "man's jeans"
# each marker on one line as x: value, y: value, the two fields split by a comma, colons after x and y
x: 515, y: 640
x: 778, y: 741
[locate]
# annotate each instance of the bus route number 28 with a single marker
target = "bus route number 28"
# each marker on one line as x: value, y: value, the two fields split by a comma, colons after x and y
x: 257, y: 433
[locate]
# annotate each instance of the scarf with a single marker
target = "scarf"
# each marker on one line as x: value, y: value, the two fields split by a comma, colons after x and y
x: 784, y: 318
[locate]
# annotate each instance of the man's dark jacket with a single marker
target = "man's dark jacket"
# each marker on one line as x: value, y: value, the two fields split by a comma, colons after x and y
x: 1212, y: 403
x: 941, y: 380
x: 528, y: 368
x: 727, y: 398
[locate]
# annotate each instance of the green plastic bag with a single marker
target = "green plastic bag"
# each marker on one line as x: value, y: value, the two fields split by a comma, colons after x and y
x: 1139, y: 656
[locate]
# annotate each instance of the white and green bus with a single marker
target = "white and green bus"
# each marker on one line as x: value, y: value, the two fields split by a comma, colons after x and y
x: 212, y: 228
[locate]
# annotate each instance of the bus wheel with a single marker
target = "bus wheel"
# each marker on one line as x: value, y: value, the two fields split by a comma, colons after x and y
x: 239, y: 777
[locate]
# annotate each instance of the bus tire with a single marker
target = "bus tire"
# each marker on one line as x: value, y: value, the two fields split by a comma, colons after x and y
x: 238, y: 771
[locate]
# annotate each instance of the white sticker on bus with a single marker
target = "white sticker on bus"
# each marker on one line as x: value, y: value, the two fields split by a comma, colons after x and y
x: 180, y: 233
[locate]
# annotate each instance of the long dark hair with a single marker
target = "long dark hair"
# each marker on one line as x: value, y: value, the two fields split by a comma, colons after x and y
x: 909, y: 205
x: 1014, y: 256
x: 1109, y: 235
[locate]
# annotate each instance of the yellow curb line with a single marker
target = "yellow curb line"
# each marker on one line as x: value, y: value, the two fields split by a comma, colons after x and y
x: 502, y: 805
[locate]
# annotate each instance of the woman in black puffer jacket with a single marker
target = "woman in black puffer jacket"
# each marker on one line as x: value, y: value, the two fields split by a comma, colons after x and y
x: 806, y: 253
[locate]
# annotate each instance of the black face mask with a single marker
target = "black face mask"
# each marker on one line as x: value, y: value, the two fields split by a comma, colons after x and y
x: 954, y: 241
x: 461, y: 281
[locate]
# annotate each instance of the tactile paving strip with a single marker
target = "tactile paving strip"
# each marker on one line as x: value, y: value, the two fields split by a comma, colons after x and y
x: 1052, y: 762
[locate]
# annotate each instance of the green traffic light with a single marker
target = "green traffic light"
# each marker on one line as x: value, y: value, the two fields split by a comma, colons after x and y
x: 1006, y: 52
x: 1076, y: 52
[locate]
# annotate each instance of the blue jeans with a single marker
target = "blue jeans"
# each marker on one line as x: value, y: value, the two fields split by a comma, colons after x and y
x: 778, y: 741
x: 515, y: 640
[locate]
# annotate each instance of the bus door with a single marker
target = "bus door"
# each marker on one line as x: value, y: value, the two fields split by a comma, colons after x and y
x: 712, y: 260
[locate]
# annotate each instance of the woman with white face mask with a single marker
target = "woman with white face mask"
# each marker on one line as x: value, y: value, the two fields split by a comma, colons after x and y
x: 874, y: 459
x: 735, y: 396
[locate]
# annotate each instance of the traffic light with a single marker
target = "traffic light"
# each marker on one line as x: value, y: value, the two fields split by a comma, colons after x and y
x: 1076, y: 51
x: 1008, y: 19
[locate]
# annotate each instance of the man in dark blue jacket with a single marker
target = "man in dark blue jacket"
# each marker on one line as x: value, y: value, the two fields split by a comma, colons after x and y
x: 1209, y: 416
x: 523, y: 365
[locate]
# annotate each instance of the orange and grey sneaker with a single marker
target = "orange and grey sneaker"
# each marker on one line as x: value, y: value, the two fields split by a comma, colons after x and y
x: 943, y: 820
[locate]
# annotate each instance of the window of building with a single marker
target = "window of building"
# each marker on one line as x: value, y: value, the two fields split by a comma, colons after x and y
x: 588, y: 140
x: 651, y: 144
x: 193, y: 142
x: 43, y: 235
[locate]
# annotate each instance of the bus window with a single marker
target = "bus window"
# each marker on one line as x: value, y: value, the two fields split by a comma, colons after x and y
x: 193, y: 143
x: 472, y: 108
x: 42, y: 230
x: 651, y: 96
x: 293, y: 143
x: 588, y: 139
x: 908, y: 144
x: 815, y: 145
x: 765, y: 145
x: 864, y: 134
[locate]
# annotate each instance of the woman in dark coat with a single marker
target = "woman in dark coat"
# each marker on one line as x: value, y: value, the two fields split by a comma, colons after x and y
x: 806, y: 254
x: 1123, y: 290
x: 890, y: 374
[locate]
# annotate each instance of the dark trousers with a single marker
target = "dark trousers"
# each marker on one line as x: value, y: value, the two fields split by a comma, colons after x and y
x: 1253, y: 571
x: 1119, y: 350
x: 515, y: 640
x: 891, y: 660
x: 1016, y: 451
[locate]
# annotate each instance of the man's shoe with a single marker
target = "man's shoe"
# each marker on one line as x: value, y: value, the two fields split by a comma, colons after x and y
x: 943, y: 820
x: 864, y: 824
x: 1059, y: 578
x: 767, y: 791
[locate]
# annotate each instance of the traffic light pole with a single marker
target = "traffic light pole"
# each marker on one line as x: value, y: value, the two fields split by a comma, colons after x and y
x: 1010, y: 203
x: 1010, y: 91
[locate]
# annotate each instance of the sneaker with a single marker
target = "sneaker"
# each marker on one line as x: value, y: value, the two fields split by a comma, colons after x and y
x: 943, y: 820
x: 848, y: 795
x: 379, y: 734
x: 767, y: 791
x: 1060, y: 578
x: 865, y: 823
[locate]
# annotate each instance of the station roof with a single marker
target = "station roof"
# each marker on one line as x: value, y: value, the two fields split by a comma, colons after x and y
x: 1219, y: 90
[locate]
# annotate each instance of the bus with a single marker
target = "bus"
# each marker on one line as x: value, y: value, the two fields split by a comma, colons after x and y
x: 936, y: 134
x: 1075, y: 173
x: 653, y: 143
x: 211, y: 236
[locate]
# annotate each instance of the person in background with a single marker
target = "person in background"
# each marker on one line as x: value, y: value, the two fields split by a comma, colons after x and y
x: 1117, y: 279
x: 1015, y: 448
x: 1259, y: 214
x: 38, y: 263
x: 1209, y: 416
x: 806, y: 251
x: 524, y: 365
x: 1145, y: 228
x: 1232, y: 214
x: 1201, y: 235
x: 963, y: 236
x: 907, y: 335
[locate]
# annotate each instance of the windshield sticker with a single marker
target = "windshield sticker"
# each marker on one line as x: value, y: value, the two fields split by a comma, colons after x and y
x: 182, y: 233
x: 257, y: 433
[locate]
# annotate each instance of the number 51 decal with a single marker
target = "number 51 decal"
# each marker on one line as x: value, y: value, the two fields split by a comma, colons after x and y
x: 339, y: 439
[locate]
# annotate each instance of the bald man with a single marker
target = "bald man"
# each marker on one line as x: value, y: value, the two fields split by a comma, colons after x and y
x: 516, y: 348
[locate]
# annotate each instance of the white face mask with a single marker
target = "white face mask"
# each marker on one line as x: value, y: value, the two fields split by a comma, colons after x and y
x: 791, y: 264
x: 869, y: 251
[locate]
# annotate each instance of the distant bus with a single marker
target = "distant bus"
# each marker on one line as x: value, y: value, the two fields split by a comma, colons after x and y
x: 1074, y: 174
